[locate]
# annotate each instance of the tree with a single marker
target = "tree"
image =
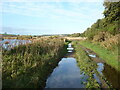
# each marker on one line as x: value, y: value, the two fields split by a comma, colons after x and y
x: 109, y: 23
x: 5, y: 33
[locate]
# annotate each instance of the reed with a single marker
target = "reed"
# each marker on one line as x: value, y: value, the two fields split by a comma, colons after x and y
x: 28, y: 66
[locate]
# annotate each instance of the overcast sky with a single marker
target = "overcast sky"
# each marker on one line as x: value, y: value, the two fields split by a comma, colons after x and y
x: 49, y: 17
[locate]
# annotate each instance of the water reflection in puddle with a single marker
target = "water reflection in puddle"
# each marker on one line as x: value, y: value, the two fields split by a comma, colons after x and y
x: 91, y: 55
x: 105, y: 70
x: 66, y: 75
x: 112, y: 75
x: 97, y: 78
x: 70, y: 48
x: 69, y: 75
x: 100, y: 68
x: 70, y: 51
x: 10, y: 43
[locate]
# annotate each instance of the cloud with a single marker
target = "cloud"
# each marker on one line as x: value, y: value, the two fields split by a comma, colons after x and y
x: 47, y: 9
x: 54, y: 0
x: 25, y: 31
x: 61, y: 14
x: 60, y: 1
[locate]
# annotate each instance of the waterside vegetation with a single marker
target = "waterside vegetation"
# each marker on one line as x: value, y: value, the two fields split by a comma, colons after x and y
x: 90, y: 68
x: 86, y: 65
x: 28, y: 66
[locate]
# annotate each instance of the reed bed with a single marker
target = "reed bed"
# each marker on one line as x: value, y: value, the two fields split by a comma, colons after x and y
x: 29, y: 65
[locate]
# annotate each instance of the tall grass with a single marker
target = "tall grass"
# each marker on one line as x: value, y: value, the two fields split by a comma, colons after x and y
x: 28, y: 66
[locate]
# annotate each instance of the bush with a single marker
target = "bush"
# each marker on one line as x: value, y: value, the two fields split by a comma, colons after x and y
x: 111, y: 43
x: 102, y: 36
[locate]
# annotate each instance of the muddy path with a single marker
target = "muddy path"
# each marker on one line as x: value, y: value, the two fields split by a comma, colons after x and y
x: 68, y: 75
x: 109, y: 74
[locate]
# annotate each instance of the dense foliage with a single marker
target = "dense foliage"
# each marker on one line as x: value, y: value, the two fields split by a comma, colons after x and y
x: 110, y: 22
x: 75, y: 35
x: 28, y: 66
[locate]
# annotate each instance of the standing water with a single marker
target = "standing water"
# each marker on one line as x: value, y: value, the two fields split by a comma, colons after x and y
x: 11, y: 43
x: 111, y: 75
x: 67, y: 74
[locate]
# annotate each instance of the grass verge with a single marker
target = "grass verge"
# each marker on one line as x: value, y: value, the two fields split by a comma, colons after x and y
x: 110, y: 57
x: 86, y: 65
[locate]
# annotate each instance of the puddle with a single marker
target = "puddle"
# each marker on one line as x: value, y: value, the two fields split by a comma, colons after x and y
x: 105, y: 70
x: 93, y: 56
x: 70, y: 51
x: 67, y: 74
x: 10, y: 43
x: 111, y: 75
x: 100, y: 68
x: 69, y: 45
x: 69, y: 48
x: 97, y: 78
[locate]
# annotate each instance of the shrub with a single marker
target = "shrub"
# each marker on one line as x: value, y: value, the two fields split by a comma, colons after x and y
x: 111, y: 43
x: 101, y: 36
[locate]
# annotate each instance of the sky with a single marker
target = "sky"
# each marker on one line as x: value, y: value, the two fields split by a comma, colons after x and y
x: 38, y: 17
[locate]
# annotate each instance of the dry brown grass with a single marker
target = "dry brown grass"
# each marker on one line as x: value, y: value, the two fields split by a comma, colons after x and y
x: 75, y: 38
x: 102, y: 36
x: 110, y: 43
x: 106, y: 40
